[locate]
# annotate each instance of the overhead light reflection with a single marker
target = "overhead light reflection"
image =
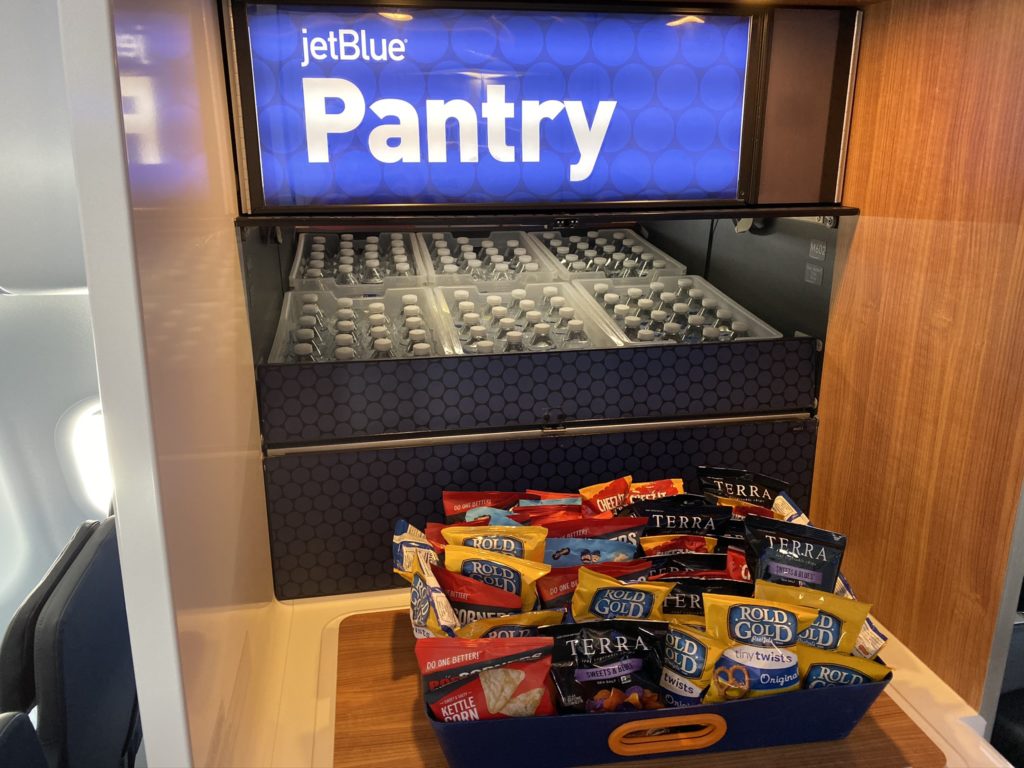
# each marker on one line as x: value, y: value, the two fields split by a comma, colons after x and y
x: 685, y: 20
x: 395, y: 15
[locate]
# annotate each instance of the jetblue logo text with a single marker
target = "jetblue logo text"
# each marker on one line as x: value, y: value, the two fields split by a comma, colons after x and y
x: 494, y: 574
x: 827, y: 675
x: 350, y: 45
x: 396, y: 138
x: 503, y: 544
x: 612, y: 602
x: 760, y: 625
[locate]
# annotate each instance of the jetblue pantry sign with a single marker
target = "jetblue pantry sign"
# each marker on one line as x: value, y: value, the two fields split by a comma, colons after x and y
x: 364, y: 107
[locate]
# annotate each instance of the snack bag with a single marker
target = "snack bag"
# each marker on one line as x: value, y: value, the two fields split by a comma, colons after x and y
x: 489, y: 516
x: 740, y: 509
x: 525, y: 541
x: 674, y: 545
x: 750, y: 487
x: 683, y: 564
x: 535, y: 494
x: 547, y: 501
x: 679, y: 515
x: 689, y: 661
x: 839, y: 620
x: 784, y: 508
x: 555, y: 589
x: 436, y: 537
x: 685, y: 603
x: 405, y: 544
x: 486, y: 679
x: 511, y: 574
x: 472, y: 600
x: 798, y: 555
x: 429, y: 610
x: 824, y: 669
x: 654, y: 489
x: 626, y: 529
x: 549, y: 512
x: 607, y: 666
x: 458, y: 503
x: 763, y: 662
x: 516, y: 625
x: 606, y: 498
x: 599, y: 596
x: 871, y: 638
x: 567, y: 552
x: 731, y: 564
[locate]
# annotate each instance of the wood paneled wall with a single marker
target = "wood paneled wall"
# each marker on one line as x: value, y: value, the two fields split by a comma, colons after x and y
x: 921, y: 449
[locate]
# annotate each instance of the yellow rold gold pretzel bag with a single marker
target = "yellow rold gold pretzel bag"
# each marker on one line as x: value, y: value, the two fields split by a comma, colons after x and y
x: 602, y: 597
x: 513, y: 574
x: 429, y: 610
x: 751, y: 621
x: 690, y: 660
x: 839, y: 619
x: 823, y: 669
x: 762, y: 661
x: 525, y: 541
x: 513, y: 625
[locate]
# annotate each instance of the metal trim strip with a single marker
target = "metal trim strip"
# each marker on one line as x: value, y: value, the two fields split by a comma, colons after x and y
x: 527, y: 434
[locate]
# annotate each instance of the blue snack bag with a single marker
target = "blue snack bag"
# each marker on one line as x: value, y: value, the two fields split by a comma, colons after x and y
x: 563, y: 553
x: 497, y: 516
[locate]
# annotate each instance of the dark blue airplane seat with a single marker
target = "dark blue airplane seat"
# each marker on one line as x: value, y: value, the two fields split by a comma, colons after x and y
x: 19, y: 744
x: 85, y: 682
x: 17, y: 651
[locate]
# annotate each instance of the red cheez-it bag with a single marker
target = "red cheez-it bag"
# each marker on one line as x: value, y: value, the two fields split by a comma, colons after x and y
x: 486, y: 679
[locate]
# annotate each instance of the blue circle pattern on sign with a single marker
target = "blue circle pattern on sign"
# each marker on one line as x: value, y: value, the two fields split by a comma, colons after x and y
x: 674, y: 134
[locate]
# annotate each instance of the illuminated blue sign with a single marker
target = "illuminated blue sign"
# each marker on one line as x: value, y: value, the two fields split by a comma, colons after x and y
x: 357, y: 107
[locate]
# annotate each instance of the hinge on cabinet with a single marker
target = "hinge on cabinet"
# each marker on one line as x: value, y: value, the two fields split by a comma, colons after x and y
x: 555, y: 422
x: 567, y: 223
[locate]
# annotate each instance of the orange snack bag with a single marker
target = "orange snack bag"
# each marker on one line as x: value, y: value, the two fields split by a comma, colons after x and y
x: 606, y: 498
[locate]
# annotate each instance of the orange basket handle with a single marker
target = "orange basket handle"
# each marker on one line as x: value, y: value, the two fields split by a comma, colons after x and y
x: 648, y: 737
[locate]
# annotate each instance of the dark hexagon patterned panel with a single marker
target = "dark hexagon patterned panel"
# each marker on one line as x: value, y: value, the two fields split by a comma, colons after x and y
x: 326, y: 402
x: 332, y: 513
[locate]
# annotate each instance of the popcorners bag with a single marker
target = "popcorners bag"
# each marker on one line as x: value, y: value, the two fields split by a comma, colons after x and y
x: 486, y: 679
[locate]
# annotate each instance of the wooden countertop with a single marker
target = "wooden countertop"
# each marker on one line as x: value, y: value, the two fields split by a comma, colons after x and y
x: 379, y: 718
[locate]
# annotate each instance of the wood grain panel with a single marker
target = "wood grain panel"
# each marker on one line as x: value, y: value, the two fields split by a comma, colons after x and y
x: 379, y: 717
x: 921, y: 448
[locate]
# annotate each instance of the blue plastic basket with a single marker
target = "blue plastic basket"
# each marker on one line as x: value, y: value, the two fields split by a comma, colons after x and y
x: 561, y: 741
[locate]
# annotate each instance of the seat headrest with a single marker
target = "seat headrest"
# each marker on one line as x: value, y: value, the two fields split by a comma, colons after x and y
x: 85, y: 682
x: 19, y: 744
x: 17, y: 651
